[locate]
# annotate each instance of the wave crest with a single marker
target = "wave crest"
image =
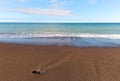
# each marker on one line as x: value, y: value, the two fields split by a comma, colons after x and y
x: 47, y: 34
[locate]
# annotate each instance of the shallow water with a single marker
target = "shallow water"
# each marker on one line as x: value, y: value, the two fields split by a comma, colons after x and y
x: 68, y: 34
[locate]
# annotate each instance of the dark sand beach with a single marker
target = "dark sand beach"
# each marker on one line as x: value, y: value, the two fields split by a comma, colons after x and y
x: 58, y: 63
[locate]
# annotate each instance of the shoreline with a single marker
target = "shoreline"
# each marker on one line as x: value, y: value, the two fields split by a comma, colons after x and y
x: 58, y: 46
x: 65, y: 41
x: 56, y: 63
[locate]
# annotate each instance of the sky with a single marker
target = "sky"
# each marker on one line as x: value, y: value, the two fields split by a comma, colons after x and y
x: 59, y: 10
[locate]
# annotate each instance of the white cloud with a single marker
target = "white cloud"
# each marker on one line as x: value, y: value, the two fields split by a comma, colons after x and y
x: 4, y: 2
x: 61, y: 4
x: 56, y: 9
x: 45, y: 12
x: 92, y: 1
x: 57, y: 4
x: 73, y: 1
x: 22, y: 1
x: 53, y: 1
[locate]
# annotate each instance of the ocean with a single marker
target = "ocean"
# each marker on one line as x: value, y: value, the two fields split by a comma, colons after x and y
x: 62, y: 34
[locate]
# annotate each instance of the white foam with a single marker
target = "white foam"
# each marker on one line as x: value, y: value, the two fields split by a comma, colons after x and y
x: 47, y: 34
x: 61, y: 39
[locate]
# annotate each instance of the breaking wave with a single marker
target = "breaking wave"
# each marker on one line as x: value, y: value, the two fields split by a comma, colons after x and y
x: 63, y: 39
x: 39, y: 35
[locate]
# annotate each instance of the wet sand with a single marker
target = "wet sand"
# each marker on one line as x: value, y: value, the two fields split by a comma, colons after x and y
x: 58, y: 63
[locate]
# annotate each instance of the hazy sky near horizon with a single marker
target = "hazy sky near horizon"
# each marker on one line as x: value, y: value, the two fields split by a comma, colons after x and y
x: 59, y: 10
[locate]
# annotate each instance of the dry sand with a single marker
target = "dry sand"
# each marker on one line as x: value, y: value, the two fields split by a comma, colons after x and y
x: 58, y: 63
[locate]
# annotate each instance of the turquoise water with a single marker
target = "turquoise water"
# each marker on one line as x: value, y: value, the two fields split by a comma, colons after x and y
x: 79, y: 28
x: 75, y: 34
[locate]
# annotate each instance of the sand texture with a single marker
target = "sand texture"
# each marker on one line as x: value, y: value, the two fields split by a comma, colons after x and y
x: 58, y: 63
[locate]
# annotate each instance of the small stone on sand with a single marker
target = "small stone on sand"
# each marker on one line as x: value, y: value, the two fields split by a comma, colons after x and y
x: 36, y: 72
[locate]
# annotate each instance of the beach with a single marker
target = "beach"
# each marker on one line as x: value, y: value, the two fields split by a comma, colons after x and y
x: 55, y: 63
x: 59, y: 40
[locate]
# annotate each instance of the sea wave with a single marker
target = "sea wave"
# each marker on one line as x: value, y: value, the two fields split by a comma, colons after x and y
x: 63, y: 39
x: 47, y: 34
